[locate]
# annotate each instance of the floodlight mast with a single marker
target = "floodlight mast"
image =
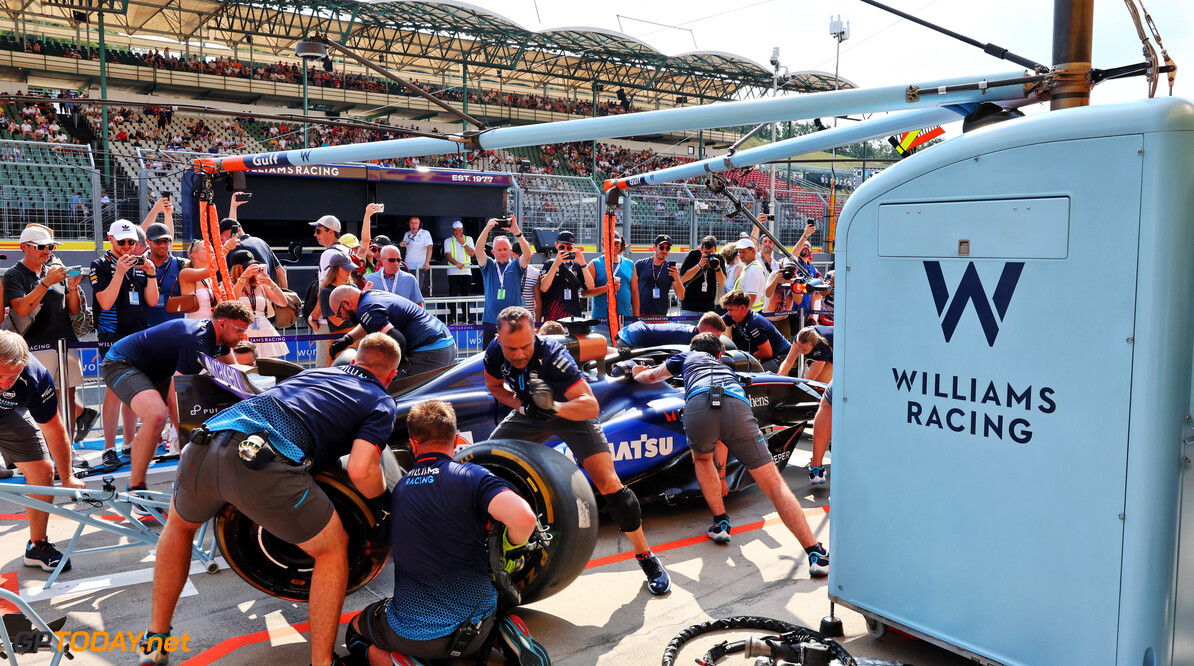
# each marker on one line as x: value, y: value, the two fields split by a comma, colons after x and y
x: 1002, y: 87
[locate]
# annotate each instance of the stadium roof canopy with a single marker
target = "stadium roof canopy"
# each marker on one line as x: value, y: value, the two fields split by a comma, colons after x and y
x: 439, y: 38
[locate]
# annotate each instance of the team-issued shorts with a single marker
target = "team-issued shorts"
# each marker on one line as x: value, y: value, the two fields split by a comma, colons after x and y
x: 584, y: 438
x: 281, y: 498
x: 20, y: 438
x: 733, y: 423
x: 375, y: 626
x: 126, y: 381
x: 828, y: 397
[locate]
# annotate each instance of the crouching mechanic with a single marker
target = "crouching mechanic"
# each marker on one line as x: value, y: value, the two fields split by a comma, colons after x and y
x: 27, y: 396
x: 259, y: 455
x: 716, y: 409
x: 429, y: 344
x: 140, y: 367
x: 538, y: 379
x: 647, y: 334
x: 444, y: 601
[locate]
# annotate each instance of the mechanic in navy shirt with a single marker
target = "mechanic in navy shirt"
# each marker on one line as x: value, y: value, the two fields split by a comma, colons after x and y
x: 442, y: 577
x: 27, y: 397
x: 537, y: 378
x: 754, y: 333
x: 429, y: 343
x: 646, y: 334
x: 140, y: 368
x: 815, y: 343
x: 717, y: 411
x: 655, y: 277
x: 315, y: 416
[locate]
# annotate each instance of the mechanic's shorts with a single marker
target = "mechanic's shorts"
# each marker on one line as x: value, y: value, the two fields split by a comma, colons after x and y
x: 126, y: 381
x: 74, y: 367
x: 828, y: 397
x: 20, y: 438
x: 733, y: 423
x: 375, y: 627
x: 584, y: 438
x: 281, y: 498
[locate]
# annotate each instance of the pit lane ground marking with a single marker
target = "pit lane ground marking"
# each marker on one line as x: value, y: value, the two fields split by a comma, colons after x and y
x: 8, y: 581
x: 226, y: 647
x: 122, y: 579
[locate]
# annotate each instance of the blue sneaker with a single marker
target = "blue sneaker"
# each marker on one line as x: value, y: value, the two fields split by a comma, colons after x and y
x: 518, y: 639
x: 816, y: 475
x: 152, y: 649
x: 818, y: 562
x: 719, y: 532
x: 658, y: 582
x: 44, y: 555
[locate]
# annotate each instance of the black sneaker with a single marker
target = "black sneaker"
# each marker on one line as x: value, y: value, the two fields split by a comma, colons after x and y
x: 44, y: 555
x: 85, y: 423
x: 658, y: 582
x: 139, y: 510
x: 111, y: 459
x: 5, y: 473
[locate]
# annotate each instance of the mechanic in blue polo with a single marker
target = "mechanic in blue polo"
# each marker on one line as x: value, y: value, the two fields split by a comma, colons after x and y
x: 716, y: 409
x: 426, y: 341
x: 140, y: 367
x: 502, y: 275
x: 444, y: 598
x: 539, y: 380
x: 754, y: 334
x: 815, y: 343
x: 649, y: 334
x: 27, y: 397
x: 259, y: 455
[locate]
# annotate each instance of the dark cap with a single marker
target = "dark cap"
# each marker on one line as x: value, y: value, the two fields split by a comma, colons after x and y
x: 381, y: 241
x: 239, y: 258
x: 565, y: 237
x: 157, y: 230
x: 340, y: 260
x: 663, y: 238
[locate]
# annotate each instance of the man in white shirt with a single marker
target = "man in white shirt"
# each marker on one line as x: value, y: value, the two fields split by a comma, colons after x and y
x: 327, y: 234
x: 458, y: 252
x: 417, y: 245
x: 752, y: 277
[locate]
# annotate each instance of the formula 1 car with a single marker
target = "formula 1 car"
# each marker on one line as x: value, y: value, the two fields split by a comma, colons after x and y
x: 642, y: 423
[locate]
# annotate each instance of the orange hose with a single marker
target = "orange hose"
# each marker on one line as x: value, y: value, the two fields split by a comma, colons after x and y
x: 224, y: 291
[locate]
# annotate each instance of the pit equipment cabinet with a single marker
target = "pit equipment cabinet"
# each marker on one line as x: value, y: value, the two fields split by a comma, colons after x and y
x: 1011, y: 472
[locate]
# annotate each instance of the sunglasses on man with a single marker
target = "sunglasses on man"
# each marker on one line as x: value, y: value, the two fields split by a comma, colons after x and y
x: 40, y: 248
x: 162, y: 241
x: 123, y: 243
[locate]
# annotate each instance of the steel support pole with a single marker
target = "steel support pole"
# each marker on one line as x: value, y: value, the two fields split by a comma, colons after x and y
x: 103, y: 53
x: 306, y: 144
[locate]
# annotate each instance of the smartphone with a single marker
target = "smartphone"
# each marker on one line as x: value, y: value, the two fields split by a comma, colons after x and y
x: 381, y: 208
x: 671, y: 265
x: 570, y: 256
x: 74, y: 271
x: 244, y: 196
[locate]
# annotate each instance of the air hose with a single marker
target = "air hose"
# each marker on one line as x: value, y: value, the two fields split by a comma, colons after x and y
x: 793, y: 643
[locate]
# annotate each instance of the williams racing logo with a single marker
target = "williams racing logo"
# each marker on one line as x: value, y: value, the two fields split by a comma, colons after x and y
x: 970, y: 290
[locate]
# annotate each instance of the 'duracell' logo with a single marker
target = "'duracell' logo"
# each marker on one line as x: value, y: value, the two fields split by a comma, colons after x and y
x: 970, y: 290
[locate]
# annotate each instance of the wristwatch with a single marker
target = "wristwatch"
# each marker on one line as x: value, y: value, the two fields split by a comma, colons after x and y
x: 518, y: 235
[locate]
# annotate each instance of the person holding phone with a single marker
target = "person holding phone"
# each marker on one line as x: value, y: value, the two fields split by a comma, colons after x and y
x: 124, y: 287
x: 655, y: 278
x: 564, y: 277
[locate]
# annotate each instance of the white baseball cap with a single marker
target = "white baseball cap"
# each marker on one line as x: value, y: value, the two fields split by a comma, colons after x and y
x: 745, y: 243
x: 38, y: 235
x: 122, y: 230
x: 457, y: 225
x: 330, y: 221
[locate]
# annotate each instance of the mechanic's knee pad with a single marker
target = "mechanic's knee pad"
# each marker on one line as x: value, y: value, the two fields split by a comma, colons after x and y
x: 625, y: 510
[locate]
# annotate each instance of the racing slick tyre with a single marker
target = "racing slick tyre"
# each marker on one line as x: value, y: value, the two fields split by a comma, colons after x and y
x: 560, y: 495
x: 283, y: 570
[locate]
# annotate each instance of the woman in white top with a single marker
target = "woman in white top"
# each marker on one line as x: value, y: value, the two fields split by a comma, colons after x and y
x: 196, y: 279
x: 255, y: 289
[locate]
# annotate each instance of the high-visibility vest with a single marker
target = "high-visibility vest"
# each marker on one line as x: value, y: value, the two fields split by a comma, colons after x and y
x: 456, y: 250
x: 758, y: 304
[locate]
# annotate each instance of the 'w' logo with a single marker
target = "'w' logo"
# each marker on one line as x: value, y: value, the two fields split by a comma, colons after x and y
x: 970, y: 290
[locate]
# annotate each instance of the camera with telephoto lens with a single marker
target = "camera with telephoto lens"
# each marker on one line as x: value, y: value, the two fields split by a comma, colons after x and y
x: 714, y: 262
x: 789, y: 272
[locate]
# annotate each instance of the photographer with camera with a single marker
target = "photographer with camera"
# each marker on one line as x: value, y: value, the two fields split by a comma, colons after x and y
x: 502, y: 275
x: 564, y: 277
x: 124, y: 287
x: 783, y: 292
x: 702, y: 272
x: 654, y: 277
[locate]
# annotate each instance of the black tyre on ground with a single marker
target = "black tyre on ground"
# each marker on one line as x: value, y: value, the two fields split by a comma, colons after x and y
x: 559, y: 493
